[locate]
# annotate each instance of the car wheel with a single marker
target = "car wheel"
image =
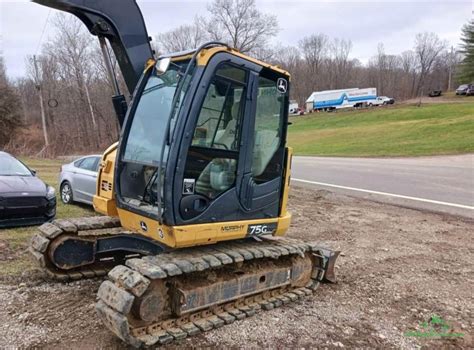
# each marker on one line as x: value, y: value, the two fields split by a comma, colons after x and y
x: 66, y: 193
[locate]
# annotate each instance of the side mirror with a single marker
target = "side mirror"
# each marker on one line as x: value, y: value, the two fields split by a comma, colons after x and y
x: 33, y: 171
x: 162, y: 65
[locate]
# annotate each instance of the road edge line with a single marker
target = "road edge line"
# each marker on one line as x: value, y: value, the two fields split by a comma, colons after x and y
x: 387, y: 194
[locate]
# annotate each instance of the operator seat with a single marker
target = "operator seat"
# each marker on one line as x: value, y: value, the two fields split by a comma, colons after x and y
x: 266, y: 144
x: 226, y: 137
x: 219, y: 174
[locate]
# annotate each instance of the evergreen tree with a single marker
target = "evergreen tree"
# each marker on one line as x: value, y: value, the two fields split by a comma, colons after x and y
x: 466, y: 71
x: 10, y: 107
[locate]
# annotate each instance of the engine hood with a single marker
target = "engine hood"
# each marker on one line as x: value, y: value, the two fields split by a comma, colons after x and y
x: 22, y: 185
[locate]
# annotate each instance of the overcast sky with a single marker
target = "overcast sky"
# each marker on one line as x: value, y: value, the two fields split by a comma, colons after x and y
x: 366, y: 23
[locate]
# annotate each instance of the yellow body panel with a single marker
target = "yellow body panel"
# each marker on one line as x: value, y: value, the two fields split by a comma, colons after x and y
x: 104, y: 199
x: 196, y: 234
x: 206, y: 54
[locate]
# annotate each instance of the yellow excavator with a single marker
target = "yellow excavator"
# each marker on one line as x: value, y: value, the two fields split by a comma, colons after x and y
x: 193, y: 196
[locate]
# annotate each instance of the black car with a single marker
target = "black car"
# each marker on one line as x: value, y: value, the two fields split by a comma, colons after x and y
x: 24, y: 198
x: 435, y: 93
x: 462, y: 89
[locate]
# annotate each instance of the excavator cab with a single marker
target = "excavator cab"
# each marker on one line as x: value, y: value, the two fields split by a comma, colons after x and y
x: 201, y: 161
x: 204, y: 141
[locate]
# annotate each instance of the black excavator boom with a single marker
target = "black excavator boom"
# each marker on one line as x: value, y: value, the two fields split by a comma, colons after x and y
x: 121, y: 22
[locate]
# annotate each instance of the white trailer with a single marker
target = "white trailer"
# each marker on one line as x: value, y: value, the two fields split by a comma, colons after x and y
x: 344, y: 98
x: 293, y: 108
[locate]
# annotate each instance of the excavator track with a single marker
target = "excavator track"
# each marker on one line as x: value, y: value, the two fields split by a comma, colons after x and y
x: 165, y: 298
x: 51, y: 235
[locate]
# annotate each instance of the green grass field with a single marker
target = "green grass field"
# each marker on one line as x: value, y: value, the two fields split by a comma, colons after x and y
x: 16, y: 239
x: 400, y: 130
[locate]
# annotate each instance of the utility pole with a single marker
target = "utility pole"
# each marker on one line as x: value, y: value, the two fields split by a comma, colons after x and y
x: 43, y: 116
x: 452, y: 59
x: 90, y: 104
x: 91, y: 109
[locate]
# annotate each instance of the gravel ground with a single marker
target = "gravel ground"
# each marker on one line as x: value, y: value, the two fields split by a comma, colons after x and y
x: 399, y: 268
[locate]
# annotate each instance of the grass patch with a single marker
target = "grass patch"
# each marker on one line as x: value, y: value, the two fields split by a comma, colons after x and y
x: 16, y: 259
x: 17, y: 266
x: 403, y: 130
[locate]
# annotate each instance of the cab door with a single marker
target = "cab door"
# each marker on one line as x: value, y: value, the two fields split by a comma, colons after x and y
x: 263, y: 175
x: 233, y: 160
x: 214, y: 158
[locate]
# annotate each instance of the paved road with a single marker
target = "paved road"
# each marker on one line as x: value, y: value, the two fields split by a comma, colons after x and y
x: 442, y: 183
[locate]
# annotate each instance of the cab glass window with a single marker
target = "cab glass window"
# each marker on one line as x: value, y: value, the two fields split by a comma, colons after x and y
x: 212, y: 159
x: 147, y: 131
x: 268, y: 130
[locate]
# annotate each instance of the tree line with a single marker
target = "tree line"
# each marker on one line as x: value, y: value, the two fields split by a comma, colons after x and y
x: 71, y: 79
x: 319, y: 62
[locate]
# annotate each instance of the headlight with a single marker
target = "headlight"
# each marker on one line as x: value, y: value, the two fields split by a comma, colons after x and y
x: 51, y: 192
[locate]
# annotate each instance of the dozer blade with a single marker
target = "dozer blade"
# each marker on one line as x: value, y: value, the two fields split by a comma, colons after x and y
x: 165, y: 298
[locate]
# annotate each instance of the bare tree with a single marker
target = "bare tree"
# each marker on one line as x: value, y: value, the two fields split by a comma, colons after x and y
x: 428, y: 46
x: 377, y: 68
x: 240, y: 24
x: 73, y: 48
x: 340, y: 66
x: 185, y: 37
x: 409, y: 68
x: 266, y: 54
x: 314, y: 49
x: 384, y: 72
x: 289, y: 58
x: 76, y: 91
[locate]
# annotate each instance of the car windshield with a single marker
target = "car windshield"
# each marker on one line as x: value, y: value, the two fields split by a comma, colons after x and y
x: 463, y: 87
x: 9, y: 166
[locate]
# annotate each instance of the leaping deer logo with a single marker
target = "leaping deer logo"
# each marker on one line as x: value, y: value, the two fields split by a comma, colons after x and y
x: 282, y: 85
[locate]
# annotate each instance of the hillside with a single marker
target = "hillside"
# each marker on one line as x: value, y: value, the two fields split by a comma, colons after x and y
x: 400, y: 130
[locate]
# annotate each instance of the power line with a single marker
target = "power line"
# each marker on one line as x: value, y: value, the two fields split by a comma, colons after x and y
x: 42, y: 32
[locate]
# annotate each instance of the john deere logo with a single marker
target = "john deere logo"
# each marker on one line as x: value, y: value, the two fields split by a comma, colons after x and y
x: 282, y: 85
x: 143, y: 226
